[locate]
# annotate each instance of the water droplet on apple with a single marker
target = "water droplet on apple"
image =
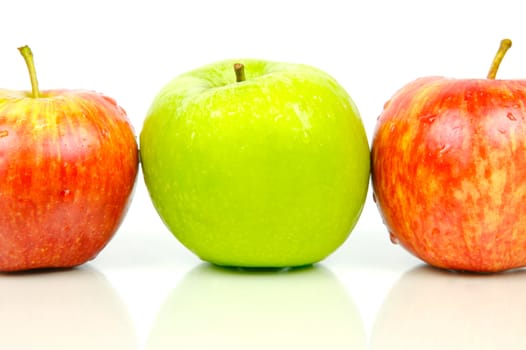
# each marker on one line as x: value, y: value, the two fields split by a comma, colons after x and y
x: 428, y: 118
x: 510, y: 116
x: 387, y: 103
x: 4, y: 133
x: 444, y: 148
x: 393, y: 238
x: 516, y: 106
x: 65, y: 193
x: 502, y: 131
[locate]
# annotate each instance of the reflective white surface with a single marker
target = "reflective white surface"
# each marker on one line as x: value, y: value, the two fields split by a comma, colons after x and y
x: 432, y: 309
x: 68, y: 309
x: 145, y: 291
x: 359, y: 298
x: 221, y: 308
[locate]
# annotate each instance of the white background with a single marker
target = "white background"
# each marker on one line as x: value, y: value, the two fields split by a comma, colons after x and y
x: 147, y: 291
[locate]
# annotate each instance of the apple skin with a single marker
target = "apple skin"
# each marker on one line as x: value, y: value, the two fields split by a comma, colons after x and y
x: 449, y: 172
x: 68, y: 164
x: 272, y: 171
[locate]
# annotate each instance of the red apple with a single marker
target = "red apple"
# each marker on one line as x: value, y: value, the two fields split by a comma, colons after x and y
x: 68, y: 164
x: 449, y: 170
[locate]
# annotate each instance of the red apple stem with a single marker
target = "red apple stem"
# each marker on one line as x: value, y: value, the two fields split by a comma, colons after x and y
x: 239, y: 68
x: 28, y: 57
x: 505, y: 44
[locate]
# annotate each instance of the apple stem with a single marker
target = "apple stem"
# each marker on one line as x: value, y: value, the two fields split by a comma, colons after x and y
x: 26, y: 52
x: 239, y: 68
x: 505, y: 44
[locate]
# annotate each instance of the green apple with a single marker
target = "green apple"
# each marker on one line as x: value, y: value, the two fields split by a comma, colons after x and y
x: 262, y: 167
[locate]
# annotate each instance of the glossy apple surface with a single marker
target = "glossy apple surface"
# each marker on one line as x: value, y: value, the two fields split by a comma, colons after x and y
x: 269, y: 171
x: 449, y: 172
x: 68, y: 163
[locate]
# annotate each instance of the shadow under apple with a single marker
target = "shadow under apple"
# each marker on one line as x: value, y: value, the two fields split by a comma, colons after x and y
x: 63, y: 309
x: 435, y: 309
x: 219, y: 308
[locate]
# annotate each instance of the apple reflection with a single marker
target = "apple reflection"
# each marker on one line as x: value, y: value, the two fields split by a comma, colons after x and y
x: 63, y: 309
x: 218, y: 308
x: 434, y: 309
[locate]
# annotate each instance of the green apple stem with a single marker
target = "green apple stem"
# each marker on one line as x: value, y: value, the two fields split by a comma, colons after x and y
x: 505, y: 44
x: 239, y: 68
x: 28, y: 57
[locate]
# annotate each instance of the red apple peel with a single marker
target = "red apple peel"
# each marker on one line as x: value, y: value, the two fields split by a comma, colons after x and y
x: 68, y: 164
x: 448, y: 171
